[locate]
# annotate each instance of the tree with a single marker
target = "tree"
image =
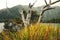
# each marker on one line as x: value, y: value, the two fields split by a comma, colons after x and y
x: 26, y: 20
x: 45, y: 8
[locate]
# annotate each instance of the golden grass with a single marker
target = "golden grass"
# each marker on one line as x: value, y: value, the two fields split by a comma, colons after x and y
x: 35, y: 32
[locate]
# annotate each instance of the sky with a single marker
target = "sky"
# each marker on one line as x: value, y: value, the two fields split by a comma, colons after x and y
x: 11, y: 3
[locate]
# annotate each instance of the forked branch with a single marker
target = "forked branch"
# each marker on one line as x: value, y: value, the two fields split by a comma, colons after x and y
x: 46, y: 7
x: 29, y: 13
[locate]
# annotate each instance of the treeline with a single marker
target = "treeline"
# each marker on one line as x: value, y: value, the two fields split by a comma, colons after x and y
x: 13, y: 14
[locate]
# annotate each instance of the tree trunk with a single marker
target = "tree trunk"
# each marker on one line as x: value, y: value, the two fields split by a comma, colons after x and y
x: 28, y: 16
x: 23, y: 19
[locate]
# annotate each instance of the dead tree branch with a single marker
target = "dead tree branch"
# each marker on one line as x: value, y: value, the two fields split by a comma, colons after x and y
x: 46, y: 7
x: 52, y: 3
x: 29, y: 13
x: 49, y: 1
x: 23, y: 18
x: 45, y: 2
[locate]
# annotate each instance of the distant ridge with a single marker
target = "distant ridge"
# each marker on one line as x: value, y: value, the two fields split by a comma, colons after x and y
x: 14, y: 13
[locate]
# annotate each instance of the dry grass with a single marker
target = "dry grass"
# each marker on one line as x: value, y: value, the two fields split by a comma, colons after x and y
x: 34, y: 32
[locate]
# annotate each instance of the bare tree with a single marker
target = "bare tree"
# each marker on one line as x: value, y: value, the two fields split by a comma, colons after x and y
x: 29, y: 13
x: 27, y: 20
x: 46, y: 7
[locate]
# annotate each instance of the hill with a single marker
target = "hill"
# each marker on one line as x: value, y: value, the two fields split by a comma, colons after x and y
x: 13, y: 13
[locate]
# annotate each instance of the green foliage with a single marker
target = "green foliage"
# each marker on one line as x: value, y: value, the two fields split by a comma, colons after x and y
x: 54, y: 21
x: 13, y: 13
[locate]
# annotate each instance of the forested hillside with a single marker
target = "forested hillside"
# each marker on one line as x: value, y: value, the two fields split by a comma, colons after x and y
x: 13, y: 13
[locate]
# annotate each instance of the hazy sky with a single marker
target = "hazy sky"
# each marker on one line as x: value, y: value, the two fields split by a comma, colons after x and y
x: 11, y: 3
